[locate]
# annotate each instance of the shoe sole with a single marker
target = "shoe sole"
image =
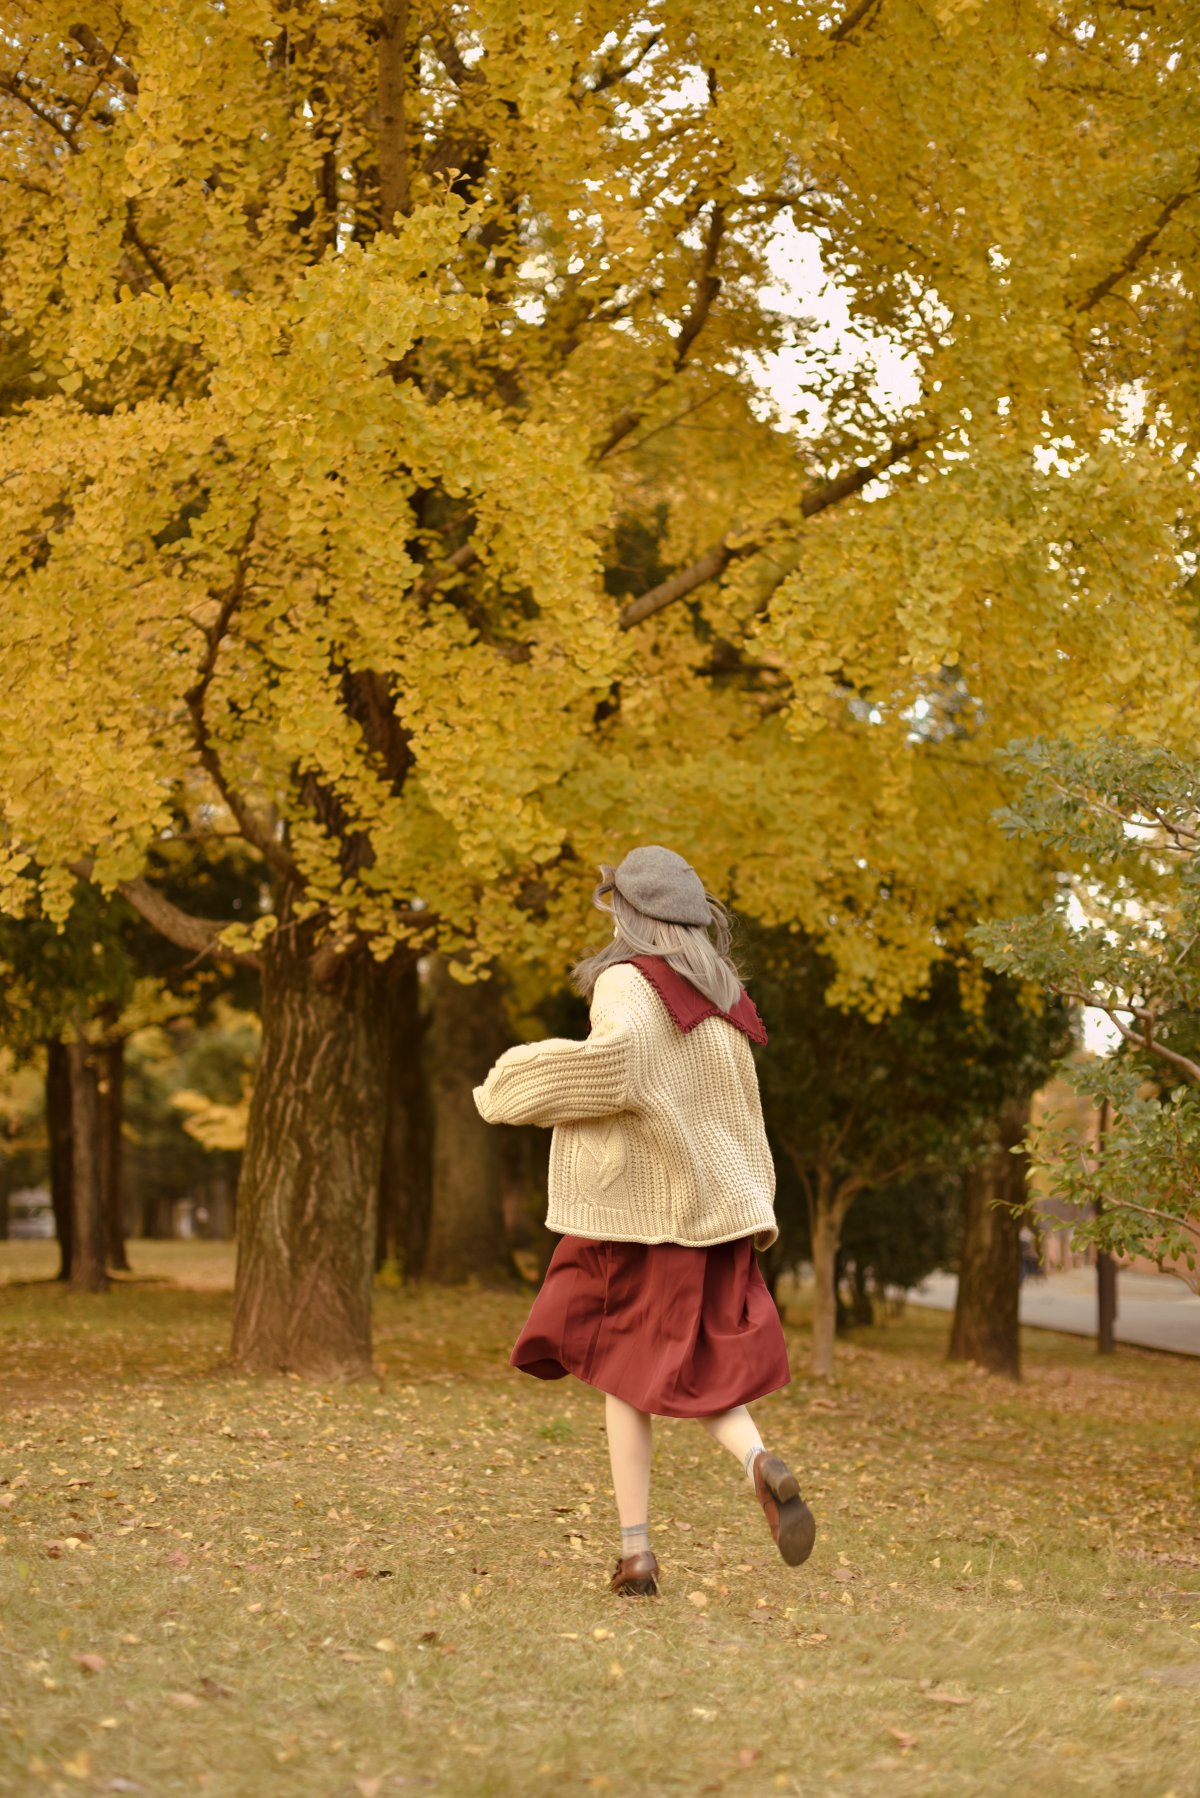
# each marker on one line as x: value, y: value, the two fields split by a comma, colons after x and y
x: 797, y: 1525
x: 797, y: 1531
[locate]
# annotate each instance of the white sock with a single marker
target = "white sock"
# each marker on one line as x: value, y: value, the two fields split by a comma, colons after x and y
x: 635, y: 1539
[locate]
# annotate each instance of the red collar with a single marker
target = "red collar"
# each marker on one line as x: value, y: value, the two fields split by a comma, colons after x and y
x: 689, y: 1007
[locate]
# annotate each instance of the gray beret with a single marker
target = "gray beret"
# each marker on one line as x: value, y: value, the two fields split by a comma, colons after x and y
x: 663, y: 886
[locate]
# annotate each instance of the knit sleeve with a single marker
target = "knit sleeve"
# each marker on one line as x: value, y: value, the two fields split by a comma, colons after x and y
x: 561, y: 1081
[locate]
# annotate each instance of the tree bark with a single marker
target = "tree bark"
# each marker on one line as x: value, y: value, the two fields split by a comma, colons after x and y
x: 405, y: 1193
x: 1106, y: 1303
x: 986, y: 1328
x: 111, y: 1092
x: 87, y: 1210
x: 466, y: 1235
x: 309, y: 1182
x: 826, y: 1230
x: 1106, y: 1270
x: 58, y: 1136
x: 862, y: 1309
x: 393, y: 123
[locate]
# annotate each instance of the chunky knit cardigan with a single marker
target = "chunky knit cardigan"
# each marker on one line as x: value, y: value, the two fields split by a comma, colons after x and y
x: 658, y: 1131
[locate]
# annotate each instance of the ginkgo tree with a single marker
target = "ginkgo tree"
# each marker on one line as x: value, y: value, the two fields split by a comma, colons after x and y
x: 337, y: 346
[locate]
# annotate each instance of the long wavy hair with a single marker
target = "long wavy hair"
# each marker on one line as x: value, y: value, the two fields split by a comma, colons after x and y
x: 703, y: 958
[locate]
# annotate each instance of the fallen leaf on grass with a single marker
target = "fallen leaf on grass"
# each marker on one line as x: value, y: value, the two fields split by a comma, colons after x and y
x: 187, y: 1701
x: 212, y: 1688
x: 746, y: 1757
x: 699, y: 1599
x: 370, y: 1788
x: 903, y: 1739
x: 91, y: 1663
x: 80, y: 1766
x: 945, y: 1698
x: 179, y: 1559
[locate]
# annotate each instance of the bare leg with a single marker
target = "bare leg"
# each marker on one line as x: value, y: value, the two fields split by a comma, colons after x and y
x: 788, y: 1517
x: 737, y: 1431
x: 629, y: 1447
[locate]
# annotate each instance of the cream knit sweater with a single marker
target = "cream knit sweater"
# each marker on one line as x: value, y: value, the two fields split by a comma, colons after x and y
x: 658, y: 1133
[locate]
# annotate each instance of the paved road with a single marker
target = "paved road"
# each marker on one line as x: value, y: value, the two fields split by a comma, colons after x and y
x: 1153, y: 1310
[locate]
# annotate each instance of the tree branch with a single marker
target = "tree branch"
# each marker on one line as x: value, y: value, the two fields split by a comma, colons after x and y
x: 1140, y: 1040
x: 108, y: 62
x: 1144, y: 243
x: 464, y: 557
x: 1113, y: 1206
x: 844, y: 1197
x: 134, y: 238
x: 450, y: 57
x: 170, y: 920
x: 708, y: 286
x: 254, y: 829
x: 394, y: 198
x: 11, y: 86
x: 852, y: 20
x: 714, y: 561
x: 610, y: 73
x: 1147, y: 1042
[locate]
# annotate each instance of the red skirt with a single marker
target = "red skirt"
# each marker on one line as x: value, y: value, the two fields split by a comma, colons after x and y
x: 679, y: 1332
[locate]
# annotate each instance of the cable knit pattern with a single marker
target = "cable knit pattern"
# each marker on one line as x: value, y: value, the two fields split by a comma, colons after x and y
x: 658, y: 1134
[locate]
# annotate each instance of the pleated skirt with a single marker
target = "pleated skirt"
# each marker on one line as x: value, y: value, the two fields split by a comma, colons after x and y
x: 676, y: 1331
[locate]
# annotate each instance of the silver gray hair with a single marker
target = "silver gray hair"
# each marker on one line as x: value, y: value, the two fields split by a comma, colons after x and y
x: 706, y: 960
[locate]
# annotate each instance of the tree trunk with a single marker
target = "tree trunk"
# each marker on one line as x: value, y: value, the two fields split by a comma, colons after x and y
x: 1106, y: 1271
x: 405, y: 1194
x: 862, y: 1310
x: 310, y: 1172
x: 58, y: 1136
x: 1106, y: 1303
x: 466, y: 1235
x: 87, y: 1209
x: 826, y: 1229
x: 111, y: 1092
x: 986, y: 1329
x: 524, y: 1155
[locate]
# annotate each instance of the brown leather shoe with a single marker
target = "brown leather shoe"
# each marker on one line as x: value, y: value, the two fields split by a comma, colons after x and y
x: 636, y: 1576
x: 792, y: 1524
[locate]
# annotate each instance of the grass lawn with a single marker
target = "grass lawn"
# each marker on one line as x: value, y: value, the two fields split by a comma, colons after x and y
x: 210, y: 1584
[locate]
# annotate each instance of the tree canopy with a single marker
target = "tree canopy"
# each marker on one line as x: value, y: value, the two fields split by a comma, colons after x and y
x: 337, y: 345
x: 1123, y: 823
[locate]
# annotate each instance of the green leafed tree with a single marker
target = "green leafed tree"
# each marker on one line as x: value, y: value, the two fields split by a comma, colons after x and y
x: 857, y: 1106
x: 1122, y: 823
